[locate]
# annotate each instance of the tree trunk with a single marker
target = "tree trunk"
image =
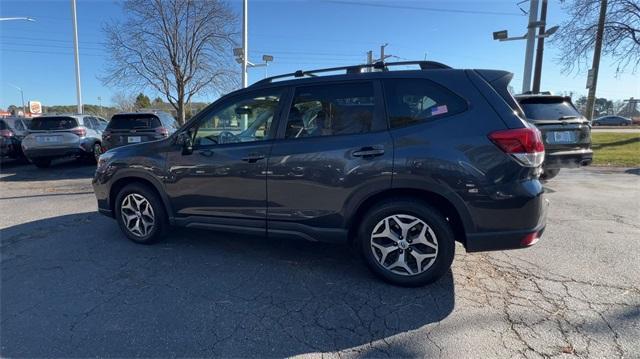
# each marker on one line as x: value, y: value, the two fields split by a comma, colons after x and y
x: 180, y: 108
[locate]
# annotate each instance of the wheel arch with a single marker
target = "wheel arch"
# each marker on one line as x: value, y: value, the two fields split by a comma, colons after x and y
x: 122, y: 181
x: 459, y: 219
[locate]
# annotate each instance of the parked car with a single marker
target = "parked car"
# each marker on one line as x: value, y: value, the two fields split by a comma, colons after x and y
x: 12, y: 131
x: 612, y: 121
x: 56, y: 136
x: 401, y: 164
x: 136, y: 127
x: 565, y: 132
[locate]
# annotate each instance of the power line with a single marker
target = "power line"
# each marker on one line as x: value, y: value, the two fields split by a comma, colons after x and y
x: 408, y: 7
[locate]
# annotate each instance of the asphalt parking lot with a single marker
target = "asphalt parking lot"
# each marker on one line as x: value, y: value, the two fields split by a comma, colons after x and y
x: 73, y: 286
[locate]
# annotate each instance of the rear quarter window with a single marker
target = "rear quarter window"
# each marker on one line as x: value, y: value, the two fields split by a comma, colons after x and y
x: 413, y: 101
x: 53, y: 123
x: 133, y: 121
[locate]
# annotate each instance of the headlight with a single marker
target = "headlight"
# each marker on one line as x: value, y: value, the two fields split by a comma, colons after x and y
x: 103, y: 160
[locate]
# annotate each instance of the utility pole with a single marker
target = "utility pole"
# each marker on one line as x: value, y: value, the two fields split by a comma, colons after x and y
x: 593, y: 79
x: 245, y: 42
x: 531, y: 35
x: 537, y: 72
x: 76, y: 56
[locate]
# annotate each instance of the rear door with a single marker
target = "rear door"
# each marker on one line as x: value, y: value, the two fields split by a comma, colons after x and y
x: 333, y: 150
x: 562, y: 126
x: 52, y: 132
x: 126, y: 129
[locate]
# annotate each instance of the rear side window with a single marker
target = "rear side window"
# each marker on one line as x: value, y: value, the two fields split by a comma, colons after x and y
x: 411, y: 101
x: 133, y: 121
x: 548, y: 109
x: 329, y: 110
x: 53, y: 123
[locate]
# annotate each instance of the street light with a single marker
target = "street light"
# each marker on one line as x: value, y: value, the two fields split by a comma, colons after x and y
x: 17, y: 18
x: 24, y: 109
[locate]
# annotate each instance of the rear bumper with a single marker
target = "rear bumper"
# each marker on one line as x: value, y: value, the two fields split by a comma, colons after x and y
x: 33, y: 153
x: 568, y: 159
x: 516, y: 238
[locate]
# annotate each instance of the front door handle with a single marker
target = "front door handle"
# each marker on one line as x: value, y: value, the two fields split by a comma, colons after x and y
x: 253, y: 158
x: 369, y: 151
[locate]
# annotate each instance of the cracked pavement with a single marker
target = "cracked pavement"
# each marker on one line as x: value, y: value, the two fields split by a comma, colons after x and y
x: 73, y: 286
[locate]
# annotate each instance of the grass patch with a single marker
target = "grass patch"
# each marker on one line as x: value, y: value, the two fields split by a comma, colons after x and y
x: 616, y: 149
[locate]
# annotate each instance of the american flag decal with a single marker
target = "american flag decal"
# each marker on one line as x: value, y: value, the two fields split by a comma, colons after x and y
x: 439, y: 110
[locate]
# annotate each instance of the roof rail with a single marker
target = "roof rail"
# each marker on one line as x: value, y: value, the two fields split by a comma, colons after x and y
x: 355, y: 69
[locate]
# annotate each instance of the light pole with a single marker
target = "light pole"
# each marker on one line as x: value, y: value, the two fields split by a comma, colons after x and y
x: 531, y: 34
x: 245, y: 42
x: 24, y: 109
x: 76, y: 55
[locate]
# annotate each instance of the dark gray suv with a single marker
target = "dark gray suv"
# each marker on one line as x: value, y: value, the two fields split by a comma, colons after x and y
x: 400, y: 164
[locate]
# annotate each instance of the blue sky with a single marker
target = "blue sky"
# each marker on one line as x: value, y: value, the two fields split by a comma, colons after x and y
x: 38, y: 57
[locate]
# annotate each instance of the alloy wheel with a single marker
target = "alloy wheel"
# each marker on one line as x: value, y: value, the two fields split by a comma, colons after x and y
x: 97, y: 151
x: 137, y: 214
x: 404, y: 244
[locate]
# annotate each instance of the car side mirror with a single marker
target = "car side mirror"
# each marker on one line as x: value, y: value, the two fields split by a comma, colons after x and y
x: 184, y: 139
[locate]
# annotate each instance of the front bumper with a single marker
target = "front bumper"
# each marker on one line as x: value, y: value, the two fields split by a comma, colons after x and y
x: 568, y: 159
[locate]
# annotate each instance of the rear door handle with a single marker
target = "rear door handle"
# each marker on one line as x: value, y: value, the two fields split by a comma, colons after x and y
x: 253, y: 158
x: 369, y: 151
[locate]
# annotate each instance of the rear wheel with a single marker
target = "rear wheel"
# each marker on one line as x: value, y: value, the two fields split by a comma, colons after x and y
x: 97, y: 151
x: 140, y: 214
x: 406, y: 242
x: 42, y: 162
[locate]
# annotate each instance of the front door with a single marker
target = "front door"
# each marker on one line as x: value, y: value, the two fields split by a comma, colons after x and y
x: 223, y: 181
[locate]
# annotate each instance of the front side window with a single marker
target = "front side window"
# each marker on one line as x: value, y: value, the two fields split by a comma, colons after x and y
x: 411, y: 101
x: 329, y: 110
x: 245, y: 120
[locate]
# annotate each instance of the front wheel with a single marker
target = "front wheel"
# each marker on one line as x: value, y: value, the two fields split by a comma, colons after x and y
x: 406, y: 242
x: 141, y: 214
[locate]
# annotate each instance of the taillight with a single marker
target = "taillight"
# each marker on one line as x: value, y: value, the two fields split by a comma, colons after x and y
x: 530, y: 239
x: 6, y: 133
x: 80, y: 131
x: 162, y: 131
x: 524, y: 144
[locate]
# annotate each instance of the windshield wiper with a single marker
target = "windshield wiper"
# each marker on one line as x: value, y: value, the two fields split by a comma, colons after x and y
x: 567, y: 117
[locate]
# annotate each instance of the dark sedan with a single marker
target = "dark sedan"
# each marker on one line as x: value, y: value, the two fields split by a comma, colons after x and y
x: 612, y: 121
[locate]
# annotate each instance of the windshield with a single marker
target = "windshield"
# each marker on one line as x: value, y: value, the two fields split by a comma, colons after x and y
x: 551, y: 110
x: 133, y: 121
x: 53, y: 123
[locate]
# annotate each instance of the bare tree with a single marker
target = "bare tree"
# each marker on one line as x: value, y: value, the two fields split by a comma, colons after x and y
x: 180, y: 48
x: 577, y: 34
x: 123, y: 102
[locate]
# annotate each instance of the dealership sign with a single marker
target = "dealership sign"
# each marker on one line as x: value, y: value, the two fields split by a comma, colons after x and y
x: 35, y: 107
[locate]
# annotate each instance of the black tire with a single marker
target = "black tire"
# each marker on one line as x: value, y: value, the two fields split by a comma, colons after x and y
x: 549, y: 173
x: 97, y: 151
x: 160, y: 224
x: 42, y: 162
x: 444, y: 238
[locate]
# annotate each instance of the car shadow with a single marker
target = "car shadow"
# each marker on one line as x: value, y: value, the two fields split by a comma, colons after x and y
x: 74, y: 286
x: 17, y: 171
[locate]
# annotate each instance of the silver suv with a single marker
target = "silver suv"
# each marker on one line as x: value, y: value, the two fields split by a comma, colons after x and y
x: 56, y: 136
